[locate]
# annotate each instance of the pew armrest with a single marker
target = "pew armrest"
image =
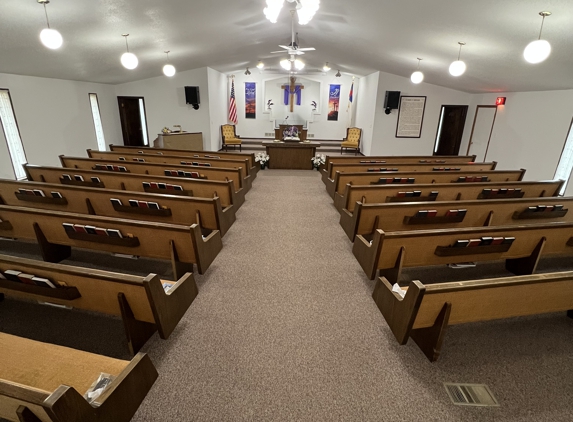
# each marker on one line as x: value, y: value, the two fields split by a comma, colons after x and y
x: 324, y: 175
x: 331, y: 185
x: 349, y: 221
x: 368, y: 253
x: 206, y: 248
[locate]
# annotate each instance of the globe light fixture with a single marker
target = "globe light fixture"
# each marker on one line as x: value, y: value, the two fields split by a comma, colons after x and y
x: 417, y: 76
x: 298, y: 64
x: 538, y: 50
x: 168, y: 69
x: 458, y: 67
x: 286, y: 64
x: 260, y: 65
x: 50, y: 37
x: 305, y: 9
x: 326, y: 67
x: 273, y: 9
x: 128, y: 60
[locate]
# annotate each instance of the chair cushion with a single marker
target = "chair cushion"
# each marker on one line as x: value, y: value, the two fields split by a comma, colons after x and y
x: 349, y: 144
x: 232, y: 141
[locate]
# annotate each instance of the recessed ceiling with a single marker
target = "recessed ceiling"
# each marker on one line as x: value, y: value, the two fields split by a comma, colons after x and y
x: 355, y: 36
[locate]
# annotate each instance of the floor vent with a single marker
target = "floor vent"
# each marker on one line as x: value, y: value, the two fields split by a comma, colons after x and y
x: 470, y: 394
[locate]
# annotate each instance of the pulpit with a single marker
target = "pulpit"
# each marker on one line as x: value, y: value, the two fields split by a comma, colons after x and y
x: 279, y: 132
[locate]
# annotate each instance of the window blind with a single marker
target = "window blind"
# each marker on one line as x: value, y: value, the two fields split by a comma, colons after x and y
x: 12, y: 134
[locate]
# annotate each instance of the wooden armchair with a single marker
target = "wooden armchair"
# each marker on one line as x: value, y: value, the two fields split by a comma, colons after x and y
x: 352, y: 140
x: 230, y: 137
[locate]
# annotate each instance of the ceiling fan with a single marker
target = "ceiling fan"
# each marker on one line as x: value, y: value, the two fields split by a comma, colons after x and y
x: 293, y: 48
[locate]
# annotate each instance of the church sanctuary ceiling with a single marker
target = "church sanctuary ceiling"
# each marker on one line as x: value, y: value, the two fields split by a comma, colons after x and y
x: 358, y: 37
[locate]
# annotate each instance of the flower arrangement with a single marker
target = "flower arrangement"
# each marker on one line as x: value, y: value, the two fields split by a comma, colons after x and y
x: 291, y: 132
x: 318, y: 161
x: 314, y: 105
x: 262, y: 158
x: 269, y: 104
x: 166, y: 130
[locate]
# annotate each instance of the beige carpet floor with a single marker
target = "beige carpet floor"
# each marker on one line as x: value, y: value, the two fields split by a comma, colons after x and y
x: 285, y: 329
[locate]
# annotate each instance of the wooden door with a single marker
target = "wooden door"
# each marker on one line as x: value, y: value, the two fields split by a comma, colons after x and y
x: 481, y: 131
x: 450, y: 130
x: 132, y: 116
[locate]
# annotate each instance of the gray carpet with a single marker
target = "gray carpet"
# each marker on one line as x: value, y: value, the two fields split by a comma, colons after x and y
x: 284, y: 328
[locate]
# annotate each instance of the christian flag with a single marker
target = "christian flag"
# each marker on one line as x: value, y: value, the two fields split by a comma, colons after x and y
x: 351, y: 93
x: 233, y: 104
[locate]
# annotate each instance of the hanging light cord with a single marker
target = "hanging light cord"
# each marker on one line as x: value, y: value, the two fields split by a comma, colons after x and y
x: 47, y: 20
x: 460, y: 52
x: 541, y: 30
x: 126, y: 45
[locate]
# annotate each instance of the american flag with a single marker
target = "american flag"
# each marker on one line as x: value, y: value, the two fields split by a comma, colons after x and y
x: 233, y: 104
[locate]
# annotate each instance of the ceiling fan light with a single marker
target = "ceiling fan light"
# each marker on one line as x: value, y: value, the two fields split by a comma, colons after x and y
x: 51, y: 38
x: 457, y: 68
x: 169, y: 70
x: 273, y: 9
x: 326, y: 67
x: 537, y: 51
x: 129, y: 61
x: 286, y: 64
x: 417, y: 77
x: 298, y: 64
x: 260, y: 65
x: 307, y: 10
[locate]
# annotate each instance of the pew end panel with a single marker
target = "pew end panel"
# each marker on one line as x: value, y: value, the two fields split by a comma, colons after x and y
x: 207, y: 247
x: 367, y: 249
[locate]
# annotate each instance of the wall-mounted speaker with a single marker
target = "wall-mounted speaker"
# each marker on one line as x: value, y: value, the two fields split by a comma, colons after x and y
x: 392, y: 100
x: 192, y: 96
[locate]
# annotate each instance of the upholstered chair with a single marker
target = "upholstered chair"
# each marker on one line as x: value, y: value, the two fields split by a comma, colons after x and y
x: 352, y: 140
x: 230, y: 137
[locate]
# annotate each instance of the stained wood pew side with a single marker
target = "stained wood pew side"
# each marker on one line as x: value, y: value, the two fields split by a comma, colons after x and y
x: 189, y: 154
x: 182, y: 245
x: 242, y: 165
x: 446, y: 192
x: 397, y: 159
x: 389, y: 252
x: 426, y: 311
x: 158, y: 169
x: 41, y: 382
x: 341, y: 179
x: 184, y: 210
x: 141, y: 302
x: 403, y: 216
x: 410, y: 167
x: 224, y: 190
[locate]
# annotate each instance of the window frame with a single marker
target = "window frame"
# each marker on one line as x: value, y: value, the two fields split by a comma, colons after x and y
x: 19, y: 135
x: 100, y: 119
x: 569, y: 133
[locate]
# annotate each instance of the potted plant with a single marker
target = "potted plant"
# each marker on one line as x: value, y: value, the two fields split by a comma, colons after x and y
x: 318, y: 161
x: 262, y: 158
x: 269, y: 104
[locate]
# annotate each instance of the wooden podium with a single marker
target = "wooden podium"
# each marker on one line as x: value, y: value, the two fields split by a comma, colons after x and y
x: 282, y: 128
x: 291, y: 155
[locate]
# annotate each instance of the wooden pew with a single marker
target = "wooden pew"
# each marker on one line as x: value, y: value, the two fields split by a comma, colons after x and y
x: 224, y: 190
x: 182, y: 245
x: 174, y: 209
x: 403, y: 216
x: 457, y: 167
x: 397, y: 159
x: 157, y: 169
x: 391, y: 251
x: 254, y: 167
x: 242, y: 165
x: 41, y: 382
x: 142, y: 303
x: 426, y: 311
x: 446, y: 192
x: 341, y: 179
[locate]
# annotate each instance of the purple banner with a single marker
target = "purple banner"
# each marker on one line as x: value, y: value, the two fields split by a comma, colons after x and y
x: 250, y: 100
x: 333, y: 102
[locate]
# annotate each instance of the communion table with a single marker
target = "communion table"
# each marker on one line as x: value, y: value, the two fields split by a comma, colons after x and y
x: 291, y: 155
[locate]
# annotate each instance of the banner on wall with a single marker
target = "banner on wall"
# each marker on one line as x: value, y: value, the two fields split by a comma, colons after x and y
x: 333, y: 102
x: 250, y: 100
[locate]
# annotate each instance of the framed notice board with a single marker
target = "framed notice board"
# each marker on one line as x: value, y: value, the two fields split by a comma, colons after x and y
x: 410, y: 117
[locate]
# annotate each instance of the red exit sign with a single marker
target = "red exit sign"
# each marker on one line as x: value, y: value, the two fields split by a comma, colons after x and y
x: 500, y: 101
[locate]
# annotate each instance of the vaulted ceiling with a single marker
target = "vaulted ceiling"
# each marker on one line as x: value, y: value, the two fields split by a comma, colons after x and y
x: 355, y: 36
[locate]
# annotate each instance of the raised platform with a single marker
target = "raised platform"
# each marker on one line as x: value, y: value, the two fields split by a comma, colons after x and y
x: 327, y: 147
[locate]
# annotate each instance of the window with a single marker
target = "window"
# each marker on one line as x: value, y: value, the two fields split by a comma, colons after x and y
x: 566, y: 161
x: 143, y: 122
x: 12, y: 134
x: 97, y: 122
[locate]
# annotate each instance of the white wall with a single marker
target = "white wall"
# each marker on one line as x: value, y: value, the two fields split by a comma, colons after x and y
x: 218, y: 106
x: 165, y: 102
x: 54, y: 117
x: 365, y: 102
x: 384, y: 141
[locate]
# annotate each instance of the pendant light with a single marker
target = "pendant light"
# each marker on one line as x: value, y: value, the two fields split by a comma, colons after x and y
x: 50, y: 37
x: 128, y: 60
x: 247, y: 72
x: 538, y: 50
x: 326, y: 67
x: 417, y: 76
x: 260, y: 65
x: 168, y: 69
x: 458, y: 67
x: 338, y: 74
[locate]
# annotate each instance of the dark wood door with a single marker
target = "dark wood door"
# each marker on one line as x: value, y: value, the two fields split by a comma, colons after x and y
x: 450, y: 130
x: 131, y: 121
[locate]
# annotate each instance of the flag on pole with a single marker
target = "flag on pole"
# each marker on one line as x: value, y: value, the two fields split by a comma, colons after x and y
x: 349, y: 108
x: 351, y: 93
x: 233, y: 104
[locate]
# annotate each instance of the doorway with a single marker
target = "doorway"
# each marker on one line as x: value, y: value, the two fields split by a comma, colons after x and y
x: 133, y: 121
x: 450, y: 129
x: 481, y: 131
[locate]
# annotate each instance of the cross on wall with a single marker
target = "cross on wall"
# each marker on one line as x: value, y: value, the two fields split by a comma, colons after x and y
x: 292, y: 87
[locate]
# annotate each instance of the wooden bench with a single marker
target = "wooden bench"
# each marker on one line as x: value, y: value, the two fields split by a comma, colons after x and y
x: 41, y: 382
x: 224, y: 190
x: 173, y: 209
x: 397, y: 159
x: 426, y: 311
x: 405, y: 216
x: 182, y: 245
x: 446, y: 192
x: 142, y: 302
x: 341, y: 179
x: 157, y: 169
x: 458, y: 167
x: 254, y: 167
x: 242, y: 165
x: 389, y: 252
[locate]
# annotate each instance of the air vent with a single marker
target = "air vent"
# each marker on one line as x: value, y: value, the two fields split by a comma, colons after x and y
x: 470, y: 394
x: 270, y: 134
x: 310, y: 135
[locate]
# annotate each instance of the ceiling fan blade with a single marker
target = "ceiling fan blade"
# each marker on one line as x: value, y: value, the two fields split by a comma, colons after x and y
x: 286, y: 47
x: 306, y: 49
x: 277, y: 52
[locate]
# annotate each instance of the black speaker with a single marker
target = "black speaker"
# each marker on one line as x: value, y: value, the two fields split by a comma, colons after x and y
x: 392, y: 100
x: 192, y: 95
